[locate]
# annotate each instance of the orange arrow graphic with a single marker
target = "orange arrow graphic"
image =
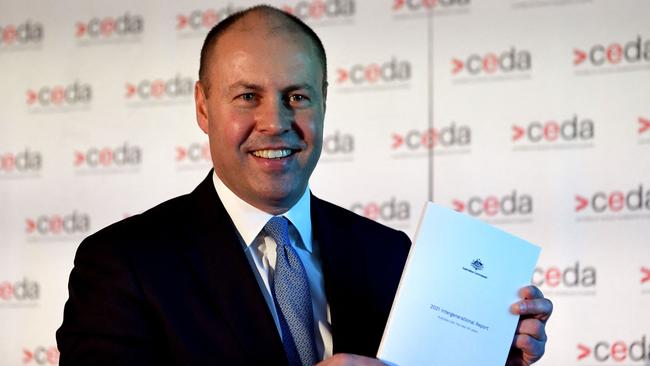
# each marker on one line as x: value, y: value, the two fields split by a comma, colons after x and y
x: 31, y: 225
x: 646, y: 274
x: 645, y: 125
x: 582, y: 203
x: 398, y: 140
x: 81, y: 29
x: 79, y: 158
x: 579, y: 56
x: 517, y: 132
x: 457, y: 66
x: 130, y: 90
x: 31, y: 96
x: 343, y: 75
x: 182, y: 21
x: 180, y: 153
x: 584, y: 351
x: 28, y: 356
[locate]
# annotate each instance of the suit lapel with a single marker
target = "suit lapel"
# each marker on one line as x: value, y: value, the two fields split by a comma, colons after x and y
x: 221, y: 264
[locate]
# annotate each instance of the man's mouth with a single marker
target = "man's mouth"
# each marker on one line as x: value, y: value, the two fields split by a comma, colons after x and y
x: 273, y: 154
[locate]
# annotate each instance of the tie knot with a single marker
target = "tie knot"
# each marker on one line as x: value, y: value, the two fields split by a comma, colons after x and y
x: 278, y: 229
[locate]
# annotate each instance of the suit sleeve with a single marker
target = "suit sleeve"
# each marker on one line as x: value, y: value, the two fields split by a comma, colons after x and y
x: 104, y: 320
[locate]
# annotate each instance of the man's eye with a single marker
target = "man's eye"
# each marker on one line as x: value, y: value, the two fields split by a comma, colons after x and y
x: 298, y: 98
x: 247, y: 96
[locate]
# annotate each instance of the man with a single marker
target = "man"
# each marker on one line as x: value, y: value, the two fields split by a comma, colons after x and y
x: 250, y: 268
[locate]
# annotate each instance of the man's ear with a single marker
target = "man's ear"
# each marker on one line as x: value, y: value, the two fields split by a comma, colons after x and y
x: 201, y: 104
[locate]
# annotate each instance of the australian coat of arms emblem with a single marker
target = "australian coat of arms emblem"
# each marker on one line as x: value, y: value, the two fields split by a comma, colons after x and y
x: 477, y: 264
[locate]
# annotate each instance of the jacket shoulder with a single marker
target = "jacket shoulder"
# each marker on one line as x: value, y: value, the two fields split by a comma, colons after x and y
x: 159, y: 216
x: 356, y: 223
x: 164, y: 220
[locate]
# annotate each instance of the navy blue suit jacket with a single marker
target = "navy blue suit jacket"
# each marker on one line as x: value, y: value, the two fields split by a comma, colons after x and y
x: 173, y: 286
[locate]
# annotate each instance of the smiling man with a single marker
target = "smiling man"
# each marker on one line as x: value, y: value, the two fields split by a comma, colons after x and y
x: 250, y: 268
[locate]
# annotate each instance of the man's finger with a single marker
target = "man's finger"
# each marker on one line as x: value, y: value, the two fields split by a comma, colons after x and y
x: 538, y: 308
x: 532, y: 327
x: 531, y: 348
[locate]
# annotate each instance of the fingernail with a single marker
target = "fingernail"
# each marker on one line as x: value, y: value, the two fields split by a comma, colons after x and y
x: 522, y: 307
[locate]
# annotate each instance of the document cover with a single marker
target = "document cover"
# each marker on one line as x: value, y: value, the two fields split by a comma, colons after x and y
x: 453, y: 303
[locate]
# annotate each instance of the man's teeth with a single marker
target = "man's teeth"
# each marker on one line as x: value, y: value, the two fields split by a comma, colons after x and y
x: 272, y: 154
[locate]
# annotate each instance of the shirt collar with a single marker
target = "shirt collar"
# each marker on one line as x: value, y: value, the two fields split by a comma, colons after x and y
x: 250, y: 220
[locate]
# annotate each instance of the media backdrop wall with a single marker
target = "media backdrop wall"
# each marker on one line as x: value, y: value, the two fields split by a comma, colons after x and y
x: 533, y: 115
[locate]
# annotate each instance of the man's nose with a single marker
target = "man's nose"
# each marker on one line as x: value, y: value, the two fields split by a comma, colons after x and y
x: 274, y: 117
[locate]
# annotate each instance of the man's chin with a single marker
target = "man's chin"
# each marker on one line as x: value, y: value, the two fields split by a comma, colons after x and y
x: 278, y: 198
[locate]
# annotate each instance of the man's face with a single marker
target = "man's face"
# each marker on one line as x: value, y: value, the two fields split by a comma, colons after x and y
x: 263, y: 113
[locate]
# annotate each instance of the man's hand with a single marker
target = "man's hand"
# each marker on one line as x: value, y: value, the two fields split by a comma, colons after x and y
x: 527, y: 345
x: 345, y: 359
x: 530, y: 336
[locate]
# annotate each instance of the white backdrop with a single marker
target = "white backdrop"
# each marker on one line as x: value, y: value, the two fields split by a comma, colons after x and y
x: 533, y: 115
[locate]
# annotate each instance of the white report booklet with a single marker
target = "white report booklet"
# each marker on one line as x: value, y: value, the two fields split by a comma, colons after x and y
x: 453, y: 303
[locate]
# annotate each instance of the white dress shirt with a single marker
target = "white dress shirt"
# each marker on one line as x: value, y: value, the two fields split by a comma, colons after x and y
x: 261, y: 254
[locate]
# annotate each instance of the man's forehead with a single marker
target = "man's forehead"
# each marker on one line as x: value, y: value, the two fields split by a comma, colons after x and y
x: 282, y: 47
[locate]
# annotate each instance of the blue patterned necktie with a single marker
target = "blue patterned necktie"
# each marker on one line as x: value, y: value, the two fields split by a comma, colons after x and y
x: 292, y: 297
